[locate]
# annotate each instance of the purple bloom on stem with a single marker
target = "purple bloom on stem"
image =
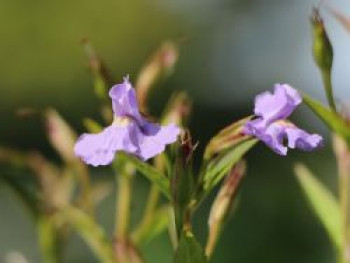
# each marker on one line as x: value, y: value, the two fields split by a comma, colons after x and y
x: 271, y: 125
x: 129, y: 132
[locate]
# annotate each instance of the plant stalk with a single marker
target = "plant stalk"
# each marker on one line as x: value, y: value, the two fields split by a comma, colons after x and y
x: 123, y: 201
x: 327, y: 82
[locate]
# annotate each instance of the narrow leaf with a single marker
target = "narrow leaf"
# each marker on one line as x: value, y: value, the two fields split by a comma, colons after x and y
x: 189, y: 250
x: 330, y: 118
x: 218, y: 167
x: 322, y: 201
x: 91, y: 232
x: 152, y: 174
x: 152, y: 227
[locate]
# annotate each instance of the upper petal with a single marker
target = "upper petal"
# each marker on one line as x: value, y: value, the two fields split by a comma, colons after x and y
x: 152, y: 138
x: 297, y: 138
x: 99, y: 149
x: 277, y: 106
x: 124, y: 100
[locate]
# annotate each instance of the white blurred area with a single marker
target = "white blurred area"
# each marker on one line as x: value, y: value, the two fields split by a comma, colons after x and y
x: 15, y: 257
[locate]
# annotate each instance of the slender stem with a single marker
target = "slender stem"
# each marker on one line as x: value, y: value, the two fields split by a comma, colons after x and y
x: 49, y: 240
x: 84, y: 182
x: 123, y: 206
x: 172, y: 229
x: 345, y: 211
x: 327, y: 81
x: 343, y: 159
x: 151, y: 206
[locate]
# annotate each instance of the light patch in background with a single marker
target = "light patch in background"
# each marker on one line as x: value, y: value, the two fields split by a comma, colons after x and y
x: 253, y: 46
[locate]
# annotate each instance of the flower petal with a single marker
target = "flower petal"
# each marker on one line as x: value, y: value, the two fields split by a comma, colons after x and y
x: 99, y: 149
x: 152, y: 139
x: 277, y: 106
x: 124, y: 100
x: 297, y: 138
x: 273, y: 136
x: 276, y: 133
x: 254, y: 127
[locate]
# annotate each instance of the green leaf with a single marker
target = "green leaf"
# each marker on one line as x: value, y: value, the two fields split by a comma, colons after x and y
x: 335, y: 122
x: 219, y: 166
x: 152, y: 227
x: 152, y: 174
x: 322, y: 201
x: 189, y: 250
x: 91, y: 232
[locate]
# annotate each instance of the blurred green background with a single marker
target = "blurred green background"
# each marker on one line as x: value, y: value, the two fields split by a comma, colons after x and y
x: 231, y: 50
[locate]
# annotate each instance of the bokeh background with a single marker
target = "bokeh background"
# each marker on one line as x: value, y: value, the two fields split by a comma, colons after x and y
x: 231, y: 50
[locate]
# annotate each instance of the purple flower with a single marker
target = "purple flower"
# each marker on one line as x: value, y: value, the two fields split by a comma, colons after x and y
x: 129, y: 132
x: 271, y: 125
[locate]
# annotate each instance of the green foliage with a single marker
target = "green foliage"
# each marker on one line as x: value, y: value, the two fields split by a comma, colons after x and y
x: 152, y: 227
x: 182, y: 185
x: 323, y: 55
x: 335, y: 122
x: 322, y: 201
x: 151, y: 173
x: 223, y: 151
x: 91, y: 232
x: 48, y: 239
x: 217, y: 168
x: 189, y: 250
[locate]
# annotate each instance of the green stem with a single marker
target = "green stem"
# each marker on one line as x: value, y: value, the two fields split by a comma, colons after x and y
x: 48, y: 240
x: 83, y: 178
x: 327, y: 81
x: 345, y: 211
x: 151, y: 206
x: 122, y: 216
x: 343, y: 159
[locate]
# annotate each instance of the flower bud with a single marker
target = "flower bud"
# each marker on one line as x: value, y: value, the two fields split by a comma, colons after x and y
x: 323, y: 54
x: 61, y: 135
x: 159, y: 63
x: 102, y: 79
x: 226, y: 138
x: 322, y: 47
x: 178, y: 109
x: 222, y: 204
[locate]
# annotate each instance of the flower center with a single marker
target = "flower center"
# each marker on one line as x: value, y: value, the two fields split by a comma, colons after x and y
x: 121, y: 121
x: 286, y: 123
